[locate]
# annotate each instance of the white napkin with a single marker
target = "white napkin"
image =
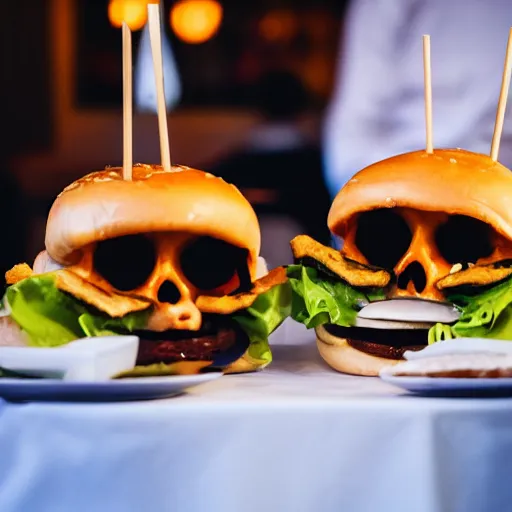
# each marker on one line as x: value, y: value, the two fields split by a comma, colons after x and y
x: 479, y: 355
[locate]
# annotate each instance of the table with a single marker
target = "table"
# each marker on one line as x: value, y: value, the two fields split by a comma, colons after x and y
x: 294, y: 438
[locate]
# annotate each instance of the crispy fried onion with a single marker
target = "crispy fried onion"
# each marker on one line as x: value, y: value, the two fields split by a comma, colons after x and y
x: 118, y: 305
x: 18, y: 273
x: 231, y: 303
x: 114, y: 304
x: 305, y: 249
x: 476, y: 275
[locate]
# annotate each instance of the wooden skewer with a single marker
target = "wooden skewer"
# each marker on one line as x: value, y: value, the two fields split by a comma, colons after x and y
x: 156, y: 51
x: 502, y: 103
x: 427, y: 76
x: 127, y: 104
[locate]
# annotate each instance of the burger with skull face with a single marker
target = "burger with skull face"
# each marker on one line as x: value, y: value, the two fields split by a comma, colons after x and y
x: 172, y: 257
x: 426, y: 256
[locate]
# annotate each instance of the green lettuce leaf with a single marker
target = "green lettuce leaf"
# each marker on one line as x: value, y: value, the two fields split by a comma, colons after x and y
x: 261, y: 319
x: 103, y: 325
x: 48, y: 316
x: 317, y: 299
x: 51, y: 317
x: 487, y: 315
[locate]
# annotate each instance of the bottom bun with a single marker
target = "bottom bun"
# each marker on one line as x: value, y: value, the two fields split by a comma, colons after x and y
x: 340, y: 356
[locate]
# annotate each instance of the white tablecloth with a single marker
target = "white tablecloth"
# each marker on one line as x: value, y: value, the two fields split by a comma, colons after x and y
x: 294, y: 438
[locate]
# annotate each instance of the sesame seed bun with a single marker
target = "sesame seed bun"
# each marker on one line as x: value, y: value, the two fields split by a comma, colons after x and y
x: 453, y: 181
x: 102, y: 205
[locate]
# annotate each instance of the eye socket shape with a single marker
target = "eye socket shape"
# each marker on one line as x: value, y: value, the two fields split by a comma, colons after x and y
x: 209, y: 263
x: 464, y: 239
x: 125, y: 262
x: 383, y: 237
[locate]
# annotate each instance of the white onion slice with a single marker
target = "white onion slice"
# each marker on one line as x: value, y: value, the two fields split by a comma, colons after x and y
x: 410, y: 310
x: 261, y: 267
x: 390, y: 324
x: 44, y: 263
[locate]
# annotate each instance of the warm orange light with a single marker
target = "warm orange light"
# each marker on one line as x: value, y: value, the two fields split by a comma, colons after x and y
x: 196, y: 21
x: 278, y: 25
x: 134, y: 12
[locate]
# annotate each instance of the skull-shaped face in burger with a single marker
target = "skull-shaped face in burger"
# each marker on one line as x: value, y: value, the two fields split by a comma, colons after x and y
x: 426, y: 256
x: 172, y: 257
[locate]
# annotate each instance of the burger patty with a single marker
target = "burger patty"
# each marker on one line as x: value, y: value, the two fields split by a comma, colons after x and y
x: 385, y: 351
x: 219, y: 340
x: 386, y: 343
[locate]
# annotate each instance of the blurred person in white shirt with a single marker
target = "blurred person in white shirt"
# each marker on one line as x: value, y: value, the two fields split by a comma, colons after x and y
x: 377, y: 109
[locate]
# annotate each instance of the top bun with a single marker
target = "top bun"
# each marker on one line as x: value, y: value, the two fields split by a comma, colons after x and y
x: 453, y: 181
x: 102, y: 205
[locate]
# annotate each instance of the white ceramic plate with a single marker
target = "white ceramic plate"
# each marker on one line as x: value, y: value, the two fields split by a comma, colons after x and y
x: 441, y: 386
x: 142, y: 388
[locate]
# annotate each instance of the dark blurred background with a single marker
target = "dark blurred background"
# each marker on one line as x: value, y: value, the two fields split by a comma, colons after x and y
x: 247, y: 85
x: 276, y: 96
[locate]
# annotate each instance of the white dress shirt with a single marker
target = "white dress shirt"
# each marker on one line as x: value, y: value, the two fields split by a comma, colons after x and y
x: 377, y: 108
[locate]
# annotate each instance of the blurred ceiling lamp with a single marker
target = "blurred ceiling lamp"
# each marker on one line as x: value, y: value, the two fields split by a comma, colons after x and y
x: 196, y: 21
x: 278, y: 25
x: 134, y: 12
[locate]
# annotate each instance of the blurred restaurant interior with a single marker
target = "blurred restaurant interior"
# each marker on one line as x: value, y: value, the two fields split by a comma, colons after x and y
x: 246, y: 87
